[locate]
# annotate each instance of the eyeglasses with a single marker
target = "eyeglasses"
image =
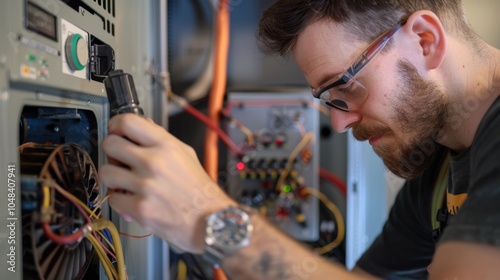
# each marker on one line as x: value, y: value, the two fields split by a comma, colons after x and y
x: 345, y: 93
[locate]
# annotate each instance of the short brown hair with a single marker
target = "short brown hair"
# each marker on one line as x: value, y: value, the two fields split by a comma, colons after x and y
x: 283, y: 21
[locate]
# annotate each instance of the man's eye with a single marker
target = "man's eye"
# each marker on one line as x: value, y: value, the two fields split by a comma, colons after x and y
x: 345, y: 88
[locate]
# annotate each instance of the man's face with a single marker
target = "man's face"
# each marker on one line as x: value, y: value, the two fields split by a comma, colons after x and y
x: 403, y: 112
x: 418, y: 114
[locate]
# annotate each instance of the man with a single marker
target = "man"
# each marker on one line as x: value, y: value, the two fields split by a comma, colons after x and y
x: 409, y: 76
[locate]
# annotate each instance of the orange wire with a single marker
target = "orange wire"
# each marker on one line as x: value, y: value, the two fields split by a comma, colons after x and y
x: 217, y: 92
x: 216, y: 98
x: 218, y: 273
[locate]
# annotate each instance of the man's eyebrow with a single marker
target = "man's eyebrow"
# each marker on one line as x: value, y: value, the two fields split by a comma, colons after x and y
x: 326, y: 77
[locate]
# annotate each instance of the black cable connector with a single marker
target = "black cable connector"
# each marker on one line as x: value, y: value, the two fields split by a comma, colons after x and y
x: 122, y: 95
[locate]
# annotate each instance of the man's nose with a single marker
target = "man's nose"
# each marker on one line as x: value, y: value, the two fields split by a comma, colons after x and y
x: 342, y: 121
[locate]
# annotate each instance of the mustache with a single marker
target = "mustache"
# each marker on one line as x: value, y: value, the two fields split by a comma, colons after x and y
x: 363, y: 133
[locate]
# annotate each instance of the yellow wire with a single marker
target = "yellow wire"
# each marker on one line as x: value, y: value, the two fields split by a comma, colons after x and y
x: 181, y: 270
x: 106, y: 264
x: 46, y: 196
x: 101, y: 224
x: 74, y: 198
x: 100, y: 204
x: 84, y: 206
x: 338, y: 217
x: 99, y: 232
x: 97, y: 225
x: 308, y: 136
x: 301, y: 128
x: 107, y: 241
x: 245, y: 130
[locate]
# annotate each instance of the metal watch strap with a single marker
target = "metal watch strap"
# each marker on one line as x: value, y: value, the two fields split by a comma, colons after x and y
x: 214, y: 255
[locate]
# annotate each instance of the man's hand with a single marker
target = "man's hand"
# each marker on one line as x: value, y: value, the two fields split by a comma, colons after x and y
x: 163, y: 186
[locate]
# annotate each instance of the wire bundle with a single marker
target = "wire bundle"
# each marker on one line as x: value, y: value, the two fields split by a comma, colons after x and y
x: 95, y: 230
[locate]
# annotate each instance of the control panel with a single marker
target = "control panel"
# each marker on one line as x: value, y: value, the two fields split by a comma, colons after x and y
x: 75, y: 50
x: 279, y: 161
x: 59, y: 45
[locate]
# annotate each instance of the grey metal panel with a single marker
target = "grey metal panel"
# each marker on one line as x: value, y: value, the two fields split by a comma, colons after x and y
x: 273, y: 112
x: 146, y: 258
x: 366, y: 198
x: 21, y: 42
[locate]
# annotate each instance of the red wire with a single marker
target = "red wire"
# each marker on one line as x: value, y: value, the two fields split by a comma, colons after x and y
x: 190, y: 109
x: 65, y: 239
x: 104, y: 246
x: 61, y: 239
x: 334, y: 180
x: 135, y: 236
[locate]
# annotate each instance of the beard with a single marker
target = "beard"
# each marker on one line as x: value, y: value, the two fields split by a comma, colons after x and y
x: 419, y: 112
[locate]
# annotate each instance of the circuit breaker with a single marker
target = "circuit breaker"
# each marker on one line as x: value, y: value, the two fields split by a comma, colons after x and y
x: 278, y: 163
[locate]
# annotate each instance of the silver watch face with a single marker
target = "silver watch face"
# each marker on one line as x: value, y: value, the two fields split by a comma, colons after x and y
x: 228, y: 228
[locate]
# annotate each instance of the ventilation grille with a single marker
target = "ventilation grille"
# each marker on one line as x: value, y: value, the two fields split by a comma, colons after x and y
x: 105, y: 12
x: 107, y: 5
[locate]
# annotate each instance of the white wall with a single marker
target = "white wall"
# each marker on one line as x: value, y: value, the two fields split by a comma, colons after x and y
x: 483, y: 16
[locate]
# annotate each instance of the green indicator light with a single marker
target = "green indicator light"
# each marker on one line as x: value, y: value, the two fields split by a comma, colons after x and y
x: 30, y: 58
x: 287, y: 188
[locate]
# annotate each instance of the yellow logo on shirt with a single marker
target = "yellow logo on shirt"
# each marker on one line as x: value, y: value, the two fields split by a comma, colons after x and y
x: 455, y: 201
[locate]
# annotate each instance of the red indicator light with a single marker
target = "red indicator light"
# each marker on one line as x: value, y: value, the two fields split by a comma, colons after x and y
x: 240, y: 166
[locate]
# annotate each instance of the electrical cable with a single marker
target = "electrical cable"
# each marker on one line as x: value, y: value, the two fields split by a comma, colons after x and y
x: 219, y: 273
x: 105, y: 224
x: 106, y: 264
x: 240, y: 126
x: 106, y: 239
x: 181, y: 102
x: 96, y: 225
x: 334, y: 179
x: 100, y: 204
x: 181, y: 270
x: 307, y: 137
x: 46, y: 213
x: 107, y: 235
x: 135, y: 236
x: 338, y: 217
x: 216, y: 97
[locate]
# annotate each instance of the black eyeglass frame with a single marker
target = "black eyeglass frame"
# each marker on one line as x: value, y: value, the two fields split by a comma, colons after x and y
x: 356, y: 67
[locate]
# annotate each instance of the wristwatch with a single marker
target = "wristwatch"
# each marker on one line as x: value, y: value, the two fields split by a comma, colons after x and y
x: 227, y: 231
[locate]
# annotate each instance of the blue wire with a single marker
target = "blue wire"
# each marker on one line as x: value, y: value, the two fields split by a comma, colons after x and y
x: 108, y: 236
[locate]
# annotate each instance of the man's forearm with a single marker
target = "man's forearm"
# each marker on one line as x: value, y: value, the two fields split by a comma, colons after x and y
x: 273, y: 255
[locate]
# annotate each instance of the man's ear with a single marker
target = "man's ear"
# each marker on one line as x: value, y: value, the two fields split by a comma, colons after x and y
x: 428, y: 32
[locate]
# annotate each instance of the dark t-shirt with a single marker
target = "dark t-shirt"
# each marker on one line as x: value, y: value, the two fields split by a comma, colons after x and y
x: 405, y: 247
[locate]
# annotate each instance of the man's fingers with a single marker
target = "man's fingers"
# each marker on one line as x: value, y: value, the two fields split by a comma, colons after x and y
x: 118, y: 178
x: 138, y: 129
x: 124, y: 205
x: 124, y: 152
